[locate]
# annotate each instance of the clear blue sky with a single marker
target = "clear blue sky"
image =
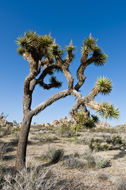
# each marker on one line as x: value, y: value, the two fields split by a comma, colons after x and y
x: 66, y: 20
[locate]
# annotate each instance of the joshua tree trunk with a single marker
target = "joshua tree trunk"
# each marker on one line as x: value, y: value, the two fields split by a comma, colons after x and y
x: 22, y: 143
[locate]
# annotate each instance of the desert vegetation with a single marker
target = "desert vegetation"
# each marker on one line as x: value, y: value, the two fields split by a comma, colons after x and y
x: 57, y: 160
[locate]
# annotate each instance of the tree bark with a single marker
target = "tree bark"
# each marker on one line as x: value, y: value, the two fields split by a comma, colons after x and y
x: 22, y: 142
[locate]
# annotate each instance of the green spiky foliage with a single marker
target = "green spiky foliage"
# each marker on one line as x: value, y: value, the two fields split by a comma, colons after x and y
x: 49, y: 55
x: 34, y: 44
x: 55, y: 50
x: 70, y: 48
x: 51, y: 70
x: 99, y: 57
x: 87, y: 121
x: 104, y: 85
x: 109, y: 111
x: 55, y: 82
x: 90, y: 46
x: 95, y: 118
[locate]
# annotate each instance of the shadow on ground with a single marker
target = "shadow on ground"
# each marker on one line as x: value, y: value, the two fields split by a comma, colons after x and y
x: 121, y: 154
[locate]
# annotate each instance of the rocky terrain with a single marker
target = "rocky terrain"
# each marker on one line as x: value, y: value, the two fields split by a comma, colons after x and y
x: 61, y: 155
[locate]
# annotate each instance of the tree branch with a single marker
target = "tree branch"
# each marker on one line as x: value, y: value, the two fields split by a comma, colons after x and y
x: 48, y: 70
x: 54, y: 98
x: 80, y: 72
x: 49, y: 101
x: 68, y: 76
x: 30, y: 81
x: 95, y: 106
x: 65, y: 68
x: 91, y: 96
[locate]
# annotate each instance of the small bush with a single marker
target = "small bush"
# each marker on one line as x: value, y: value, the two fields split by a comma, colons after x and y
x: 56, y: 155
x: 6, y: 130
x: 86, y: 121
x: 76, y: 128
x: 95, y: 144
x: 86, y: 155
x: 102, y: 163
x: 117, y: 140
x: 32, y: 179
x: 93, y: 161
x: 65, y: 131
x: 105, y: 147
x: 90, y: 159
x: 53, y: 155
x: 72, y: 162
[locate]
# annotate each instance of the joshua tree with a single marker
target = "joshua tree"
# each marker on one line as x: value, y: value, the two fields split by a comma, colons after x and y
x: 45, y: 57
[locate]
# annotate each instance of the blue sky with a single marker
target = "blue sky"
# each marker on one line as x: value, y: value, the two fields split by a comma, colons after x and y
x: 66, y: 20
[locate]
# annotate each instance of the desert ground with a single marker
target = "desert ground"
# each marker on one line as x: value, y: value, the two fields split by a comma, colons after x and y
x: 59, y: 157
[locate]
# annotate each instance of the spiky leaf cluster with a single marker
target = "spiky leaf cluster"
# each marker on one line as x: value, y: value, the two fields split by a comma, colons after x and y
x: 95, y: 118
x: 87, y: 121
x: 55, y: 50
x: 104, y: 85
x: 55, y: 82
x: 50, y: 57
x: 34, y: 44
x: 89, y: 45
x: 70, y: 48
x: 52, y: 69
x: 109, y: 111
x: 99, y: 57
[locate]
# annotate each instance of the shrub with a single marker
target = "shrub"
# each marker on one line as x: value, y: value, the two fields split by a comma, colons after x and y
x: 32, y: 179
x: 86, y: 155
x: 86, y: 121
x: 105, y: 147
x: 65, y: 130
x: 6, y: 130
x: 90, y: 159
x: 95, y: 144
x: 76, y: 128
x: 54, y: 155
x: 95, y: 161
x: 72, y: 162
x: 91, y: 162
x: 102, y: 163
x: 117, y: 140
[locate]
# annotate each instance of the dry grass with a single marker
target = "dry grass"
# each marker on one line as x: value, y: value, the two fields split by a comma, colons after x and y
x: 79, y: 168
